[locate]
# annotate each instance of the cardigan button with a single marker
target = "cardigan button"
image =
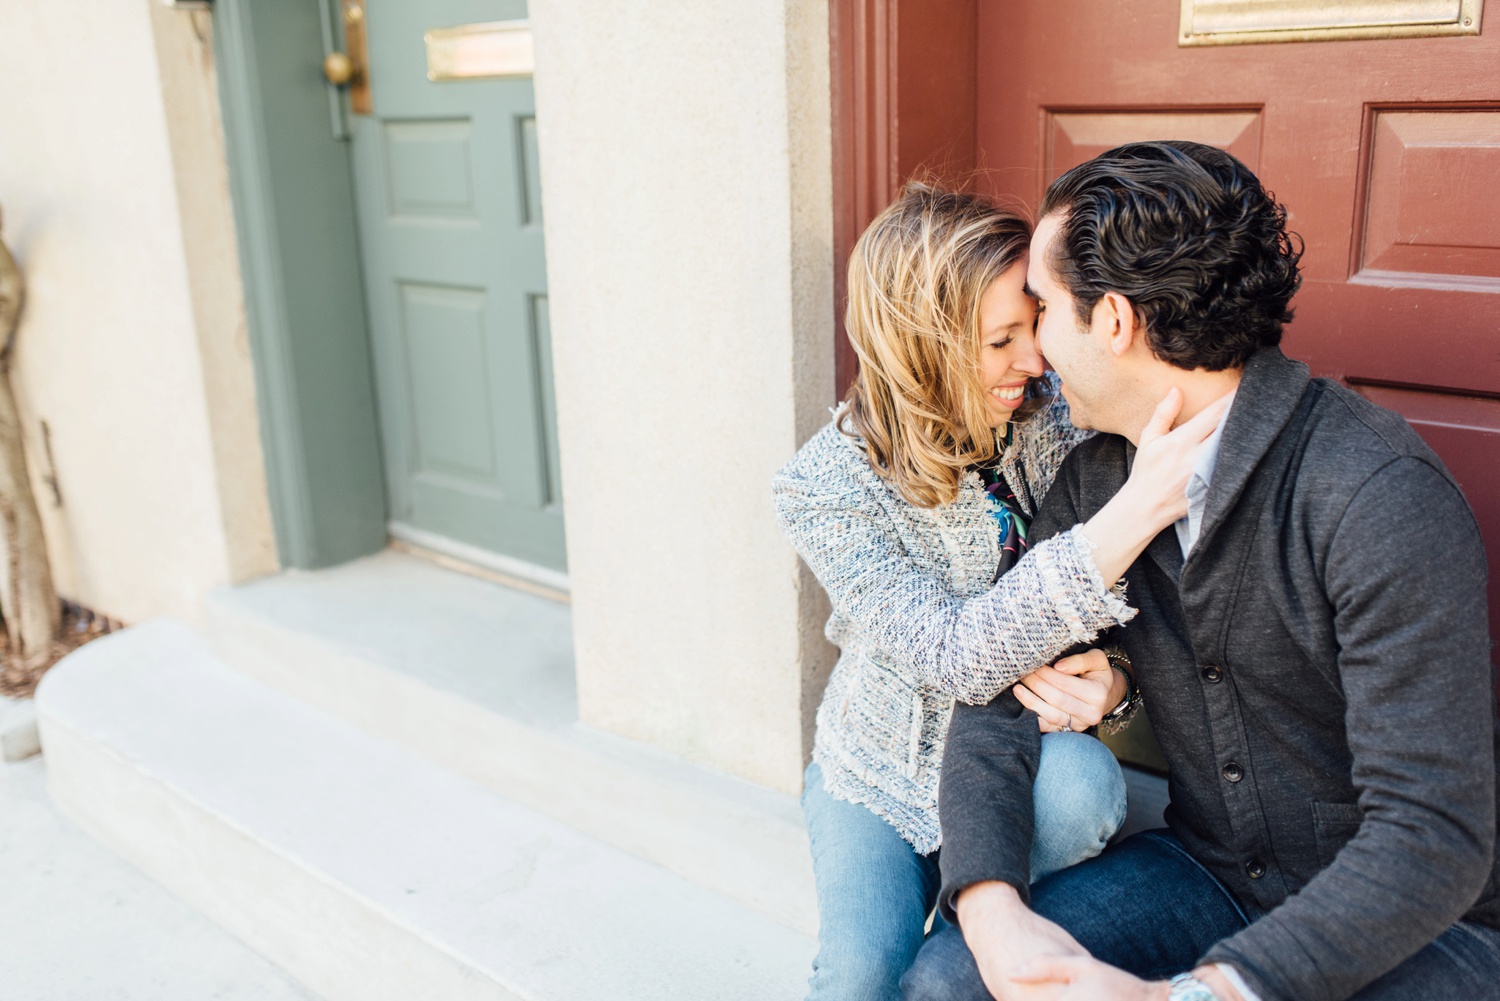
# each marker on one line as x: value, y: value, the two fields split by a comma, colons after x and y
x: 1213, y: 675
x: 1233, y: 772
x: 1255, y: 868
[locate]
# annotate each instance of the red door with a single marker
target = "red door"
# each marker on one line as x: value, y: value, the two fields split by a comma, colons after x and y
x: 1385, y: 151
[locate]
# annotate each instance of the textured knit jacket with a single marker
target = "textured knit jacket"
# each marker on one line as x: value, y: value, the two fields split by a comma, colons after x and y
x: 1318, y: 676
x: 918, y: 615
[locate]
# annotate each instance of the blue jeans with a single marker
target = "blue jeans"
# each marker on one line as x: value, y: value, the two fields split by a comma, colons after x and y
x: 875, y: 892
x: 1146, y: 906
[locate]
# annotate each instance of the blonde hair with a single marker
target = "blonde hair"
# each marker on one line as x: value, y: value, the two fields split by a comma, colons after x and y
x: 916, y: 278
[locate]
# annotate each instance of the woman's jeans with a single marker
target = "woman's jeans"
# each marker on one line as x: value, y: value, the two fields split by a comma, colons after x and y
x: 875, y: 891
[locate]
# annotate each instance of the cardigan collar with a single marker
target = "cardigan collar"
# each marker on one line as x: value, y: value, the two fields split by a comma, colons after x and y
x: 1270, y: 387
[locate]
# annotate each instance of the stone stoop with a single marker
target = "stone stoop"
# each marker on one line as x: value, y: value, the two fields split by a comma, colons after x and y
x: 477, y: 678
x: 18, y: 733
x: 364, y: 870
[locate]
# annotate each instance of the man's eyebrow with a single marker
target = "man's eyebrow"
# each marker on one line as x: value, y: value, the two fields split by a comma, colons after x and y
x: 1026, y: 287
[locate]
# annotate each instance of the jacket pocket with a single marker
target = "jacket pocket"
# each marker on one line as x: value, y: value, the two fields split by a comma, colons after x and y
x: 1334, y: 824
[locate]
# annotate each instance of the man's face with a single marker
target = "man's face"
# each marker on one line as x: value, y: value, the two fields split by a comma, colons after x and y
x: 1072, y: 349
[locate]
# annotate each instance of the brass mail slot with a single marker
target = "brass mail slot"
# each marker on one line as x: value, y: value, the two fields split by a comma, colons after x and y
x: 1242, y: 22
x: 477, y: 51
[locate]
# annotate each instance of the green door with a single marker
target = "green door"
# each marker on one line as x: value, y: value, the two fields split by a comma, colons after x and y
x: 450, y: 219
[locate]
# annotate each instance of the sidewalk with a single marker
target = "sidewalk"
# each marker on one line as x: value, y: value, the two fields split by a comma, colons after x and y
x: 78, y: 923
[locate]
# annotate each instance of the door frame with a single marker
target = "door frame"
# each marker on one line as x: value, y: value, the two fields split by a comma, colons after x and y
x: 291, y: 184
x: 904, y: 90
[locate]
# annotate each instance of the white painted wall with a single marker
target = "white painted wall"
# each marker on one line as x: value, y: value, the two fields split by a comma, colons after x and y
x: 686, y: 182
x: 133, y: 345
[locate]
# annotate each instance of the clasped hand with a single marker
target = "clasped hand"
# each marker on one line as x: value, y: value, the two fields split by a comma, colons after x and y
x: 1074, y: 693
x: 1022, y: 956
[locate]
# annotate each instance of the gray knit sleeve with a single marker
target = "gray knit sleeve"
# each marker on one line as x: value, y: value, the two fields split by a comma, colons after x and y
x: 971, y: 649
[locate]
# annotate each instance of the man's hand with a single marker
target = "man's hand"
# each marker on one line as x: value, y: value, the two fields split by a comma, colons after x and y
x: 1074, y: 693
x: 1084, y: 978
x: 1004, y: 935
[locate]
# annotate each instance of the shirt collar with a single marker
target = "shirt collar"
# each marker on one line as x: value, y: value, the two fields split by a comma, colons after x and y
x: 1208, y: 459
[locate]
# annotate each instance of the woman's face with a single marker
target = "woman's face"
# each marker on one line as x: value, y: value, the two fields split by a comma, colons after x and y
x: 1008, y: 354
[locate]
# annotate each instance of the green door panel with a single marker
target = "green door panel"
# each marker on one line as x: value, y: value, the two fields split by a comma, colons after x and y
x: 449, y: 208
x: 295, y: 222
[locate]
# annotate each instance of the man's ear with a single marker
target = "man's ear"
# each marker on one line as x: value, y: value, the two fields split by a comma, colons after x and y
x: 1115, y: 318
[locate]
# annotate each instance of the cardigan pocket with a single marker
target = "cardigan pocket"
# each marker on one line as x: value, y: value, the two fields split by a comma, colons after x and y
x: 914, y: 744
x: 1334, y: 825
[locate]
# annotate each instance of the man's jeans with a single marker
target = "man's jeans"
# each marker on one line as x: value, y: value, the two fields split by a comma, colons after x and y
x: 1146, y: 906
x: 875, y: 891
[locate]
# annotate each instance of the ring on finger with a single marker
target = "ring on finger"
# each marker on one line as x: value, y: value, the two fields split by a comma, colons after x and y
x: 1068, y: 726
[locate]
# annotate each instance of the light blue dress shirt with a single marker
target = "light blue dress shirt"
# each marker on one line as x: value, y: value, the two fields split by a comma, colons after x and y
x: 1197, y: 488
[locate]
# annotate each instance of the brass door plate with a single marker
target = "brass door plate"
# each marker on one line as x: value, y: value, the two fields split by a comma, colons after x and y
x: 1244, y: 22
x: 479, y: 51
x: 357, y: 48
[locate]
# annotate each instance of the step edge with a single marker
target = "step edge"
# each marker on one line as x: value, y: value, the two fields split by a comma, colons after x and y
x: 784, y: 855
x: 63, y: 742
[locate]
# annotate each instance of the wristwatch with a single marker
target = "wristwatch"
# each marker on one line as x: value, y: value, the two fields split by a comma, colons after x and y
x: 1120, y: 713
x: 1186, y: 987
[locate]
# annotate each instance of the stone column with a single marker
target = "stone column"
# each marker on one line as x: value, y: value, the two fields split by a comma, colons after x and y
x: 687, y: 192
x: 132, y: 351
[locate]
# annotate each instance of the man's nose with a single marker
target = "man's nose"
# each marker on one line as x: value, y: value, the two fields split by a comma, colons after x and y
x: 1029, y: 359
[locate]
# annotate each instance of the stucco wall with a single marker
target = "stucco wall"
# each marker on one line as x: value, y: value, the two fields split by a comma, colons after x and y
x: 132, y: 346
x: 687, y: 190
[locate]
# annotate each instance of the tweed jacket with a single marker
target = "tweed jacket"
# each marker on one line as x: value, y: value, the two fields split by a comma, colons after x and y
x: 1318, y: 675
x: 918, y: 615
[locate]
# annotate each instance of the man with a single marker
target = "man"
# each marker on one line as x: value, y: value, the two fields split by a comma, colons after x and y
x: 1311, y: 646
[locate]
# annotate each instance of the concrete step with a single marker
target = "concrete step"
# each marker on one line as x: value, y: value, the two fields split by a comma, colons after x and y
x: 478, y: 678
x: 363, y: 870
x: 18, y: 735
x: 78, y: 923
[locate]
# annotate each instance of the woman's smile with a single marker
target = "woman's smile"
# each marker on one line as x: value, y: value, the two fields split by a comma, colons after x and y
x: 1011, y: 394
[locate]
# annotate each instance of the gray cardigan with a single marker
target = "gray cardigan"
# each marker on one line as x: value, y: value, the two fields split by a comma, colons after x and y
x: 1327, y: 637
x: 917, y: 614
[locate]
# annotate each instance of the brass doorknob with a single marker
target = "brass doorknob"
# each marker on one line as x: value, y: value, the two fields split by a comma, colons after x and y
x: 338, y: 68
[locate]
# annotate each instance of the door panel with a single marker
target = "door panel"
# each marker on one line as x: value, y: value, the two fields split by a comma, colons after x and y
x: 1385, y: 151
x: 450, y: 218
x: 1075, y: 136
x: 427, y: 170
x: 443, y: 334
x: 1432, y: 219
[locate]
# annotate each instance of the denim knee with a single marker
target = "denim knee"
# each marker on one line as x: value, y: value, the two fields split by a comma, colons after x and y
x: 944, y: 971
x: 1079, y: 801
x: 863, y: 960
x: 869, y: 974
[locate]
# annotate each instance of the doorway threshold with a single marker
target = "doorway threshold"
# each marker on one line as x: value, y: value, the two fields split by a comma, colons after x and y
x: 477, y: 562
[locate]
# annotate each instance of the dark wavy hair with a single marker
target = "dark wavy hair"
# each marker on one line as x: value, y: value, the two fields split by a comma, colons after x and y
x: 1188, y: 234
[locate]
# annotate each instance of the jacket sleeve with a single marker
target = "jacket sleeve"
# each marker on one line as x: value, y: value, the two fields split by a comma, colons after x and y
x: 1405, y: 577
x: 970, y: 649
x: 985, y: 805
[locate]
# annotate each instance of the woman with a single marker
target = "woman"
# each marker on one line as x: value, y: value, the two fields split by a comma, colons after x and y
x: 911, y: 507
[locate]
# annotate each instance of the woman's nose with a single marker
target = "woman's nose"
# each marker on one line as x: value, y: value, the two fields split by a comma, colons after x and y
x: 1029, y: 358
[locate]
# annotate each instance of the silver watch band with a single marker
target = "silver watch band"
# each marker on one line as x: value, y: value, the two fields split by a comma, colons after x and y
x: 1186, y: 987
